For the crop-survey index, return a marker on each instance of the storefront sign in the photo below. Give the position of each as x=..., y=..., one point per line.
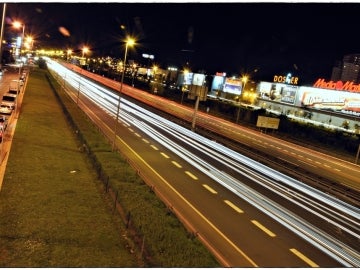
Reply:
x=286, y=79
x=339, y=85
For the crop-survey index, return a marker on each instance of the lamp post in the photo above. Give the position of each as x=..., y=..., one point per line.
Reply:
x=186, y=72
x=84, y=50
x=2, y=33
x=244, y=79
x=18, y=25
x=129, y=42
x=69, y=52
x=133, y=75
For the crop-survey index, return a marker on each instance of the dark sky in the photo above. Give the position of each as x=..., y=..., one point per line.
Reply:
x=275, y=38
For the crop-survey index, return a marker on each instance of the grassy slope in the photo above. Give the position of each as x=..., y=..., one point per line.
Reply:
x=51, y=211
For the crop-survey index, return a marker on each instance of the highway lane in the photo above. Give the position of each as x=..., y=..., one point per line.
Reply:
x=326, y=166
x=209, y=189
x=285, y=193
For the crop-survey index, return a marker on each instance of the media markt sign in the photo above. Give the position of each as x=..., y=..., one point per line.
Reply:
x=268, y=122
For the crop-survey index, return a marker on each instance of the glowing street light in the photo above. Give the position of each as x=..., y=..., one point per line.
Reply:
x=149, y=57
x=68, y=52
x=155, y=68
x=29, y=43
x=244, y=79
x=85, y=50
x=17, y=24
x=129, y=42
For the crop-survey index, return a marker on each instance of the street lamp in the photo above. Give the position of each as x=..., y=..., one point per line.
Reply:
x=133, y=75
x=154, y=72
x=85, y=50
x=149, y=57
x=183, y=88
x=29, y=43
x=129, y=42
x=1, y=34
x=69, y=52
x=18, y=25
x=244, y=79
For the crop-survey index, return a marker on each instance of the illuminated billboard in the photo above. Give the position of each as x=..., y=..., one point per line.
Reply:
x=188, y=78
x=341, y=101
x=232, y=86
x=218, y=83
x=278, y=92
x=340, y=97
x=198, y=79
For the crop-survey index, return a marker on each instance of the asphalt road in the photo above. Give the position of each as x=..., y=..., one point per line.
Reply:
x=5, y=145
x=324, y=165
x=234, y=230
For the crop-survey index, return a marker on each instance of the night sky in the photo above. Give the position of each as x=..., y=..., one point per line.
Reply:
x=272, y=38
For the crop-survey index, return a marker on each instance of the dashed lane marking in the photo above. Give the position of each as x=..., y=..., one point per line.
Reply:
x=233, y=206
x=294, y=164
x=263, y=228
x=176, y=164
x=210, y=189
x=154, y=147
x=191, y=175
x=261, y=145
x=307, y=163
x=303, y=257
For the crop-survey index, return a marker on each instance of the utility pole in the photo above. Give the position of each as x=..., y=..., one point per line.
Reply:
x=2, y=33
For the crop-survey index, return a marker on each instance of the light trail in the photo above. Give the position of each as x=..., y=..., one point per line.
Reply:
x=326, y=207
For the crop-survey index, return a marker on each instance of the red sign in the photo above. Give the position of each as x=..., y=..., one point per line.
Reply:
x=221, y=74
x=339, y=85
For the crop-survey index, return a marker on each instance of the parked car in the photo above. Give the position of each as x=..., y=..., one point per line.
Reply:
x=13, y=91
x=2, y=132
x=5, y=109
x=3, y=121
x=9, y=99
x=3, y=126
x=14, y=85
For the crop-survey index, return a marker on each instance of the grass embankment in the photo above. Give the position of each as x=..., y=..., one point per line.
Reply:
x=53, y=210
